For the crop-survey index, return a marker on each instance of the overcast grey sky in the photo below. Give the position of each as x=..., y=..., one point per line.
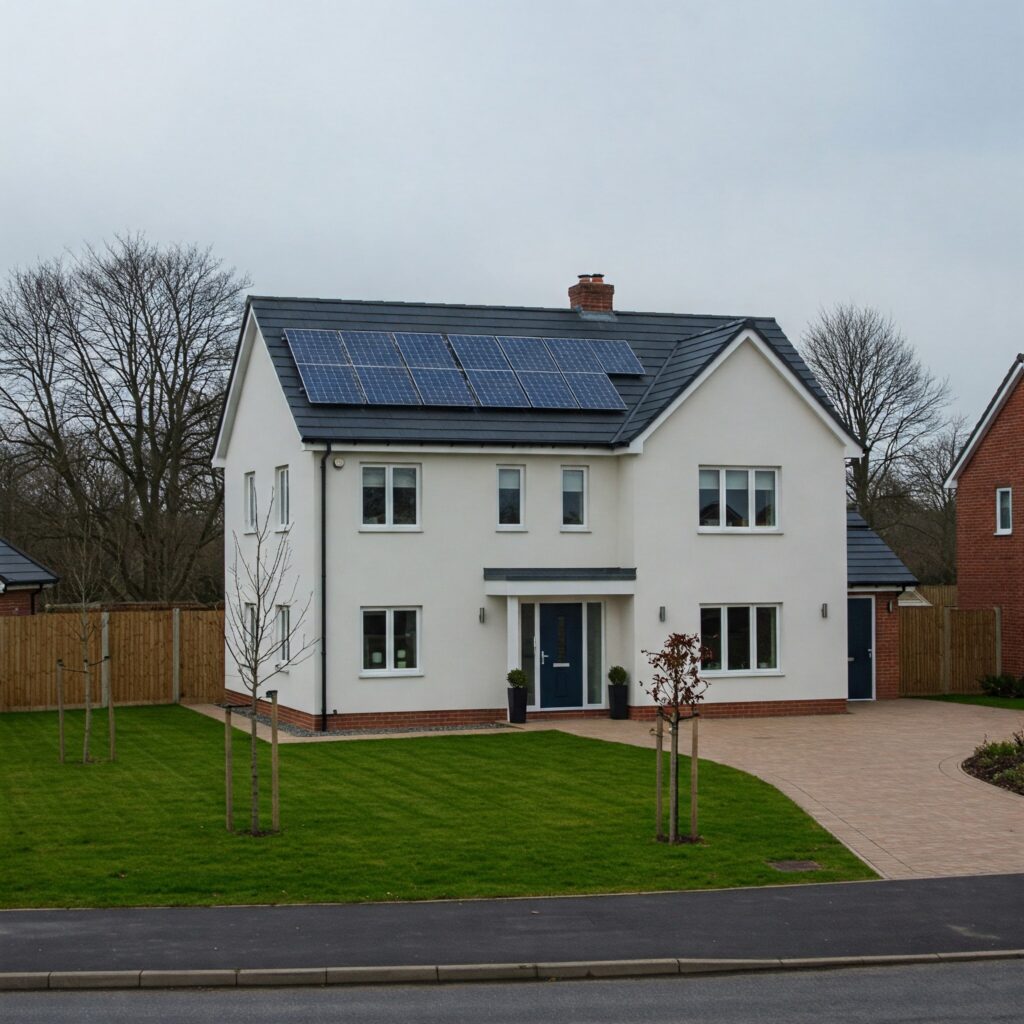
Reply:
x=717, y=157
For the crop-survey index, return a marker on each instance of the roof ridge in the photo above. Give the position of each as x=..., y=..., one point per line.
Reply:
x=249, y=299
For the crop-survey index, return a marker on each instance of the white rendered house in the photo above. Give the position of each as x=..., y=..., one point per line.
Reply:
x=469, y=489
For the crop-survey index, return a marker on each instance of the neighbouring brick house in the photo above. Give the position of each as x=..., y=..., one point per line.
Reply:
x=22, y=579
x=877, y=580
x=987, y=477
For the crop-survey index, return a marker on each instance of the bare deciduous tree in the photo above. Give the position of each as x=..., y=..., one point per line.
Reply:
x=879, y=387
x=112, y=372
x=260, y=640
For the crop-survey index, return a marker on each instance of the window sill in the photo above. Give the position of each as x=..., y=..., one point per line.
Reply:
x=510, y=529
x=751, y=673
x=249, y=531
x=282, y=667
x=398, y=673
x=575, y=529
x=390, y=529
x=283, y=529
x=1003, y=533
x=743, y=530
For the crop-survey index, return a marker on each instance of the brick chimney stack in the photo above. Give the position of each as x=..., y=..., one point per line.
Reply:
x=591, y=295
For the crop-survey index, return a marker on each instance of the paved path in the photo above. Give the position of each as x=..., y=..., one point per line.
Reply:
x=939, y=915
x=884, y=779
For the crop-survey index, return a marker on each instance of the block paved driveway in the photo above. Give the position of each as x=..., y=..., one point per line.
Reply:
x=885, y=779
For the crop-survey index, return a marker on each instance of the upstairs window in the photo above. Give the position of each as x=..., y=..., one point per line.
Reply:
x=510, y=497
x=1004, y=510
x=391, y=497
x=574, y=498
x=738, y=499
x=249, y=502
x=282, y=498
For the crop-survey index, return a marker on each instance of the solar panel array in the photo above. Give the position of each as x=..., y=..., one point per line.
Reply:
x=381, y=368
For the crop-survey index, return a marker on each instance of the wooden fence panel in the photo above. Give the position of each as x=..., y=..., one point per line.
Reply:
x=972, y=649
x=941, y=595
x=141, y=657
x=945, y=649
x=202, y=657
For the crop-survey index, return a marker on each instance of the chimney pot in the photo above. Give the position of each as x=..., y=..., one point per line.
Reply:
x=591, y=294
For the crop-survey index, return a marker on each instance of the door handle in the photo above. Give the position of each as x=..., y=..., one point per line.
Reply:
x=851, y=659
x=543, y=657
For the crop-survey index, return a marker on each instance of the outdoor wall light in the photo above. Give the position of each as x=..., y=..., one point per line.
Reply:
x=483, y=614
x=889, y=607
x=661, y=613
x=824, y=611
x=339, y=463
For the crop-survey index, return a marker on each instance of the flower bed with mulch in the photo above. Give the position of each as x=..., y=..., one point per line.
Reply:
x=1001, y=763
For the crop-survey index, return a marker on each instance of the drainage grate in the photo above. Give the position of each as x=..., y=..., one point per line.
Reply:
x=795, y=865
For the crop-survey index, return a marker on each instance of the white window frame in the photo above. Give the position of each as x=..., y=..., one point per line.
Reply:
x=389, y=526
x=584, y=527
x=751, y=491
x=282, y=498
x=389, y=671
x=1003, y=531
x=519, y=527
x=250, y=621
x=283, y=625
x=250, y=510
x=751, y=606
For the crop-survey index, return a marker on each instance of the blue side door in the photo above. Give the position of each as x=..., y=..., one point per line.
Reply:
x=561, y=655
x=860, y=654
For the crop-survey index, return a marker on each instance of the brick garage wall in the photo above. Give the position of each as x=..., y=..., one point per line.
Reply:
x=18, y=602
x=990, y=569
x=887, y=647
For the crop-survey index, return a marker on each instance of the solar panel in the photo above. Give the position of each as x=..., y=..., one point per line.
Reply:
x=616, y=357
x=527, y=353
x=498, y=389
x=442, y=387
x=371, y=348
x=594, y=391
x=425, y=350
x=319, y=347
x=574, y=356
x=547, y=390
x=478, y=351
x=335, y=385
x=387, y=385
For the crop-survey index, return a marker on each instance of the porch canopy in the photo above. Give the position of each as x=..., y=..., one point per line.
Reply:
x=567, y=582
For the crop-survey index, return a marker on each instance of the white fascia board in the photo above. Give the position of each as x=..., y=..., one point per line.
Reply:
x=234, y=394
x=557, y=588
x=995, y=407
x=403, y=447
x=852, y=449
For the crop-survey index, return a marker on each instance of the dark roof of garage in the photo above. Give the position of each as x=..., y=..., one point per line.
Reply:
x=673, y=348
x=869, y=560
x=17, y=569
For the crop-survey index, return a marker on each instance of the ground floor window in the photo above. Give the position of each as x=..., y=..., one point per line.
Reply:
x=741, y=638
x=391, y=638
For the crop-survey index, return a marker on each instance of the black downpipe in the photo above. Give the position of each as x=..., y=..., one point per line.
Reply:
x=323, y=587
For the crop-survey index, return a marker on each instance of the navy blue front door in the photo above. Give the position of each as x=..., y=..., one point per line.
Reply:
x=561, y=655
x=858, y=627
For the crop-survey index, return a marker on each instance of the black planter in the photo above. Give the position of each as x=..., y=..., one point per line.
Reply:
x=618, y=702
x=517, y=704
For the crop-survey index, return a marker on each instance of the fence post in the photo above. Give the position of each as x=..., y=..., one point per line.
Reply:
x=947, y=648
x=105, y=655
x=176, y=654
x=999, y=639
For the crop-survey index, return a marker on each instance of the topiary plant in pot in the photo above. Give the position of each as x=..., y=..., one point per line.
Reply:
x=618, y=692
x=517, y=696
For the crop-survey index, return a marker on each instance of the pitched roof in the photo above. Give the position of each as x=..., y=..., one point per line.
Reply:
x=673, y=348
x=869, y=560
x=992, y=410
x=17, y=569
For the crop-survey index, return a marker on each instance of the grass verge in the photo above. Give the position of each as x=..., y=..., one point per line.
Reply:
x=509, y=814
x=1012, y=703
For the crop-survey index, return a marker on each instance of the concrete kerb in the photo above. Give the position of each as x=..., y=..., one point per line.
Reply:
x=448, y=973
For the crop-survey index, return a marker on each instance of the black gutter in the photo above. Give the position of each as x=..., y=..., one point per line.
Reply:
x=323, y=587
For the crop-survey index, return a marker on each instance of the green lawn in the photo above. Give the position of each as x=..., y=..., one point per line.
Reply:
x=454, y=816
x=1013, y=703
